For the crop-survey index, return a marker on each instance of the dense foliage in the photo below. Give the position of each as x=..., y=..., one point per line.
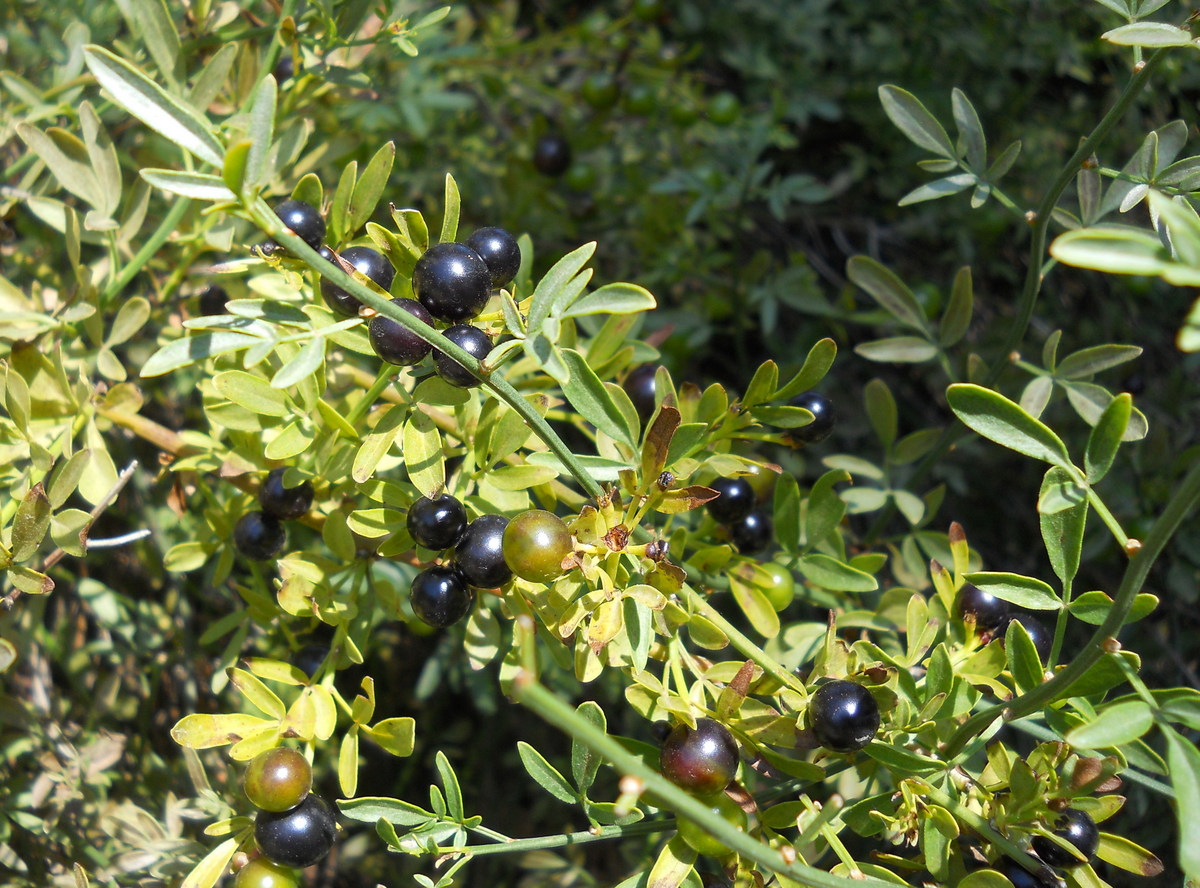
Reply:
x=843, y=533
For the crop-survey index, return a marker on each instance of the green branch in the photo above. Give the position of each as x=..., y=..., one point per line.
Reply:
x=165, y=229
x=541, y=843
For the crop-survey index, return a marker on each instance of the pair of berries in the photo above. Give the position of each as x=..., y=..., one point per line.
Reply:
x=750, y=529
x=1074, y=827
x=992, y=615
x=703, y=760
x=487, y=552
x=261, y=535
x=294, y=827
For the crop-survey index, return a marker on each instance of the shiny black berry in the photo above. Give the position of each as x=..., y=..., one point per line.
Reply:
x=299, y=837
x=843, y=715
x=394, y=342
x=474, y=342
x=552, y=155
x=259, y=536
x=285, y=503
x=499, y=251
x=285, y=69
x=437, y=523
x=367, y=262
x=479, y=554
x=440, y=596
x=702, y=760
x=753, y=533
x=304, y=220
x=824, y=419
x=639, y=385
x=989, y=612
x=213, y=299
x=735, y=502
x=1079, y=830
x=452, y=281
x=1039, y=634
x=1018, y=875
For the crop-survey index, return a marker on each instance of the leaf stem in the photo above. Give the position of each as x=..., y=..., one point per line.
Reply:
x=539, y=843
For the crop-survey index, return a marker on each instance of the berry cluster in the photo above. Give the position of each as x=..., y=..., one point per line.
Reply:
x=992, y=616
x=261, y=535
x=487, y=552
x=750, y=528
x=703, y=760
x=294, y=827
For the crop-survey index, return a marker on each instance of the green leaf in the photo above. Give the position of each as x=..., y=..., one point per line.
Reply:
x=592, y=400
x=1106, y=438
x=454, y=802
x=673, y=865
x=306, y=362
x=825, y=508
x=66, y=157
x=1062, y=529
x=545, y=774
x=1087, y=361
x=371, y=184
x=1093, y=607
x=30, y=524
x=1091, y=400
x=1026, y=592
x=1118, y=250
x=970, y=130
x=881, y=411
x=938, y=188
x=897, y=350
x=816, y=365
x=998, y=419
x=348, y=762
x=213, y=76
x=1022, y=656
x=450, y=219
x=757, y=608
x=252, y=392
x=65, y=478
x=1126, y=855
x=555, y=280
x=585, y=764
x=762, y=384
x=151, y=21
x=914, y=120
x=887, y=289
x=612, y=299
x=193, y=349
x=257, y=693
x=339, y=207
x=261, y=132
x=375, y=446
x=829, y=573
x=787, y=512
x=1114, y=725
x=956, y=319
x=370, y=809
x=131, y=317
x=1150, y=34
x=149, y=103
x=423, y=455
x=214, y=865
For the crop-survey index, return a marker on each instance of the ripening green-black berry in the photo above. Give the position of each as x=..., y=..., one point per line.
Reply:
x=723, y=108
x=600, y=90
x=700, y=838
x=304, y=220
x=1039, y=634
x=474, y=342
x=535, y=543
x=640, y=387
x=394, y=342
x=213, y=299
x=479, y=554
x=278, y=779
x=735, y=500
x=437, y=523
x=500, y=252
x=648, y=10
x=753, y=533
x=824, y=419
x=552, y=155
x=683, y=111
x=641, y=99
x=989, y=612
x=299, y=837
x=285, y=503
x=259, y=536
x=843, y=715
x=440, y=596
x=1079, y=830
x=365, y=261
x=780, y=585
x=263, y=873
x=701, y=760
x=452, y=281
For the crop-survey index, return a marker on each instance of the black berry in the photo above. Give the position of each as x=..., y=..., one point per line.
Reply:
x=843, y=715
x=474, y=342
x=394, y=342
x=285, y=69
x=213, y=299
x=479, y=554
x=452, y=281
x=552, y=155
x=440, y=596
x=753, y=533
x=823, y=422
x=367, y=262
x=259, y=536
x=299, y=837
x=1039, y=634
x=437, y=523
x=1019, y=876
x=1079, y=830
x=304, y=220
x=702, y=760
x=285, y=503
x=499, y=251
x=735, y=502
x=639, y=385
x=989, y=612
